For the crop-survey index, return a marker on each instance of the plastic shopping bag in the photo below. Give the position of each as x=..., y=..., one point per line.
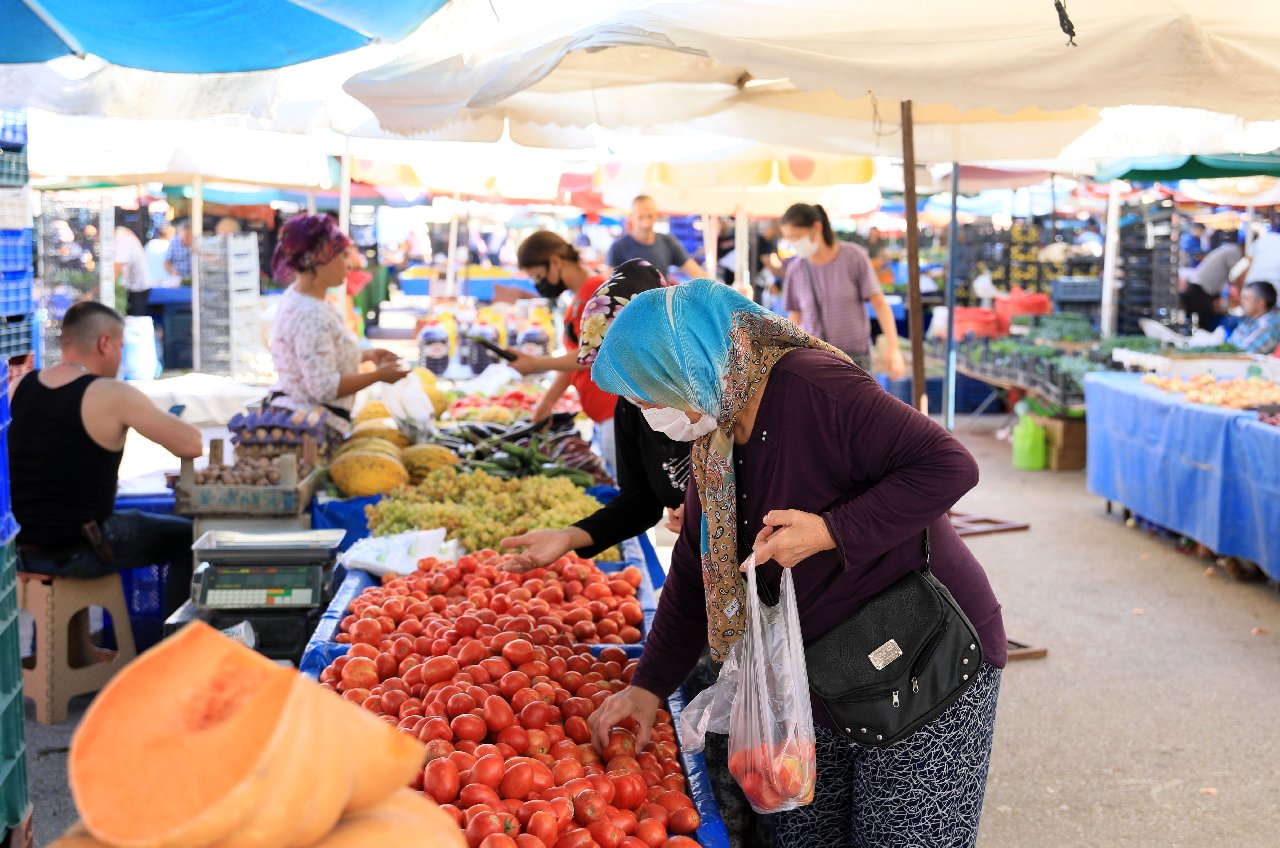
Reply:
x=762, y=699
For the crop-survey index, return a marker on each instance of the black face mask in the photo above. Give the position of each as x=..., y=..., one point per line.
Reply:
x=548, y=289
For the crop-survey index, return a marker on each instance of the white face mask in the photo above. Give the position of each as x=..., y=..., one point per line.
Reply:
x=803, y=248
x=675, y=425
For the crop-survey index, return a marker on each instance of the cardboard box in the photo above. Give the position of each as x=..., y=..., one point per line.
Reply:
x=1066, y=459
x=1068, y=433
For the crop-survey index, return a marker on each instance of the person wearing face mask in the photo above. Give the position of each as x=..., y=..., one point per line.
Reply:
x=811, y=467
x=652, y=448
x=555, y=267
x=316, y=355
x=827, y=288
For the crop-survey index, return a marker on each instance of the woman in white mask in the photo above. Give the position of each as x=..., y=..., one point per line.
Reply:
x=828, y=286
x=652, y=447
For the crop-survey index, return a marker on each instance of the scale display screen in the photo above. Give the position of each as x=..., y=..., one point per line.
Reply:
x=243, y=587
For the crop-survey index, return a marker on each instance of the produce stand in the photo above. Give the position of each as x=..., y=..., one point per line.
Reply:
x=1208, y=473
x=711, y=831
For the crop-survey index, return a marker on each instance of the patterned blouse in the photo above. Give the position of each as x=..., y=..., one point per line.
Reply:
x=312, y=349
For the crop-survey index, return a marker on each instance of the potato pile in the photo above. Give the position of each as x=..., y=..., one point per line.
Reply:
x=248, y=471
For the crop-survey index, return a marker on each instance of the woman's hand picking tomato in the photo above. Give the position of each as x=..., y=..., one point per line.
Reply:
x=633, y=703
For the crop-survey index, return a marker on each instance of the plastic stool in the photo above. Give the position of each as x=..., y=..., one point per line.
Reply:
x=67, y=663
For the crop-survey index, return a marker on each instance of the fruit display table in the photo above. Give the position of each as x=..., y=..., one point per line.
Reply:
x=1209, y=473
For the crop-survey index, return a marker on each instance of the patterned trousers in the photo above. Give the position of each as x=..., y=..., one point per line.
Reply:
x=924, y=792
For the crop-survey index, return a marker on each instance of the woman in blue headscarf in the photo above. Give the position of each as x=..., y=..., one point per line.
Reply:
x=800, y=457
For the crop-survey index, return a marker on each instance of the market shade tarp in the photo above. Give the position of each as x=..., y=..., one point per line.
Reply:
x=122, y=151
x=1209, y=473
x=1166, y=169
x=751, y=178
x=202, y=37
x=995, y=65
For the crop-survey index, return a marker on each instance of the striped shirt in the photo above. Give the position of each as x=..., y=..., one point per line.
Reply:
x=842, y=288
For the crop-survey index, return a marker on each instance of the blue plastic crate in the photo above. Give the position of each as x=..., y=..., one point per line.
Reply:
x=13, y=168
x=13, y=764
x=144, y=595
x=15, y=337
x=13, y=128
x=15, y=250
x=15, y=292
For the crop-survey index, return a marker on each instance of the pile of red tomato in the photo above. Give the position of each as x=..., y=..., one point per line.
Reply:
x=503, y=706
x=568, y=602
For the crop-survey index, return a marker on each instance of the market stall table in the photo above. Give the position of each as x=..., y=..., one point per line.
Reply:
x=1209, y=473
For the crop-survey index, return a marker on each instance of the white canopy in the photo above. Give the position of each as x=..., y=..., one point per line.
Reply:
x=126, y=151
x=828, y=73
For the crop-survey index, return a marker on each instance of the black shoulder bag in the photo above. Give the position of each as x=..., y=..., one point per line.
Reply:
x=896, y=663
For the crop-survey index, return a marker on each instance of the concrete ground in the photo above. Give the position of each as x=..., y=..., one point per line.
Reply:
x=1150, y=723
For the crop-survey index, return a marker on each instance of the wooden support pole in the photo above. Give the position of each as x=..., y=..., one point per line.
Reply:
x=915, y=309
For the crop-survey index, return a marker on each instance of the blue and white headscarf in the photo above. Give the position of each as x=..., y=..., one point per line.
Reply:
x=702, y=347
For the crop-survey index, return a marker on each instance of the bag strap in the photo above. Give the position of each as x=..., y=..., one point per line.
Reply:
x=817, y=304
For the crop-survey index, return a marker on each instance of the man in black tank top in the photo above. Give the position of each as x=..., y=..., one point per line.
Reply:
x=65, y=444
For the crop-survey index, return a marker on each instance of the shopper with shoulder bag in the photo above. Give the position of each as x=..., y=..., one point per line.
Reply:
x=812, y=467
x=828, y=286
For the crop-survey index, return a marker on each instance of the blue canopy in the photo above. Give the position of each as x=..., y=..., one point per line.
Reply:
x=202, y=36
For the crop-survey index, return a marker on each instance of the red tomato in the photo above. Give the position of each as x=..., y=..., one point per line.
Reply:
x=603, y=786
x=651, y=832
x=525, y=840
x=588, y=806
x=440, y=781
x=580, y=838
x=474, y=794
x=680, y=842
x=534, y=716
x=498, y=840
x=517, y=652
x=629, y=789
x=543, y=824
x=488, y=770
x=483, y=826
x=469, y=727
x=606, y=833
x=515, y=736
x=498, y=714
x=517, y=782
x=566, y=770
x=437, y=669
x=684, y=820
x=673, y=801
x=577, y=729
x=657, y=812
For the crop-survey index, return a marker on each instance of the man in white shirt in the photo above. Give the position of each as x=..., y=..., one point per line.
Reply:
x=1264, y=260
x=156, y=250
x=131, y=269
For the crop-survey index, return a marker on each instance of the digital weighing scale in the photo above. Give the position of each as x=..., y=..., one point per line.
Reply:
x=278, y=582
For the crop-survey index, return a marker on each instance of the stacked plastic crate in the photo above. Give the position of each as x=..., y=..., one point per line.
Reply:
x=229, y=322
x=15, y=340
x=16, y=279
x=14, y=808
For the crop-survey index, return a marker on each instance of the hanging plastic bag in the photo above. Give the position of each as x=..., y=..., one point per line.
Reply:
x=762, y=699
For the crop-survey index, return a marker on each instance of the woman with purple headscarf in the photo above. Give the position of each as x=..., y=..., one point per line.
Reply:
x=316, y=356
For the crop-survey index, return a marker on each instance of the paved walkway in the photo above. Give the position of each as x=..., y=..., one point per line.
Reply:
x=1151, y=723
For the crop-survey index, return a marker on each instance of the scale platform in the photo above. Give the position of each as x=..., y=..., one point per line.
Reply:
x=264, y=571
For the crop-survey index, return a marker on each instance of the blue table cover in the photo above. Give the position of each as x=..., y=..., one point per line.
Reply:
x=1209, y=473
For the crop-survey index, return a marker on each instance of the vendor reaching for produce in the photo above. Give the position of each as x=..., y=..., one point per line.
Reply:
x=809, y=465
x=653, y=468
x=555, y=267
x=316, y=356
x=829, y=285
x=65, y=445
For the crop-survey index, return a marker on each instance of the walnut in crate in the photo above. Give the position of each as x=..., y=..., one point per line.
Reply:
x=247, y=471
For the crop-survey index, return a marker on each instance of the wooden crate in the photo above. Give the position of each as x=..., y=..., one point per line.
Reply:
x=291, y=497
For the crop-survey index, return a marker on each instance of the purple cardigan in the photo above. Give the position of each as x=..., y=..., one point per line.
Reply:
x=829, y=440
